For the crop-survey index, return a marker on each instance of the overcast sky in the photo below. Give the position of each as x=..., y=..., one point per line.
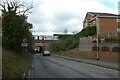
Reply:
x=54, y=16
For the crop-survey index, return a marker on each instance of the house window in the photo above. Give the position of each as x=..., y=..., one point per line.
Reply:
x=94, y=22
x=118, y=29
x=117, y=20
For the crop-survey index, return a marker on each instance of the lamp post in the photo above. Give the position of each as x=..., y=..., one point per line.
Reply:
x=97, y=26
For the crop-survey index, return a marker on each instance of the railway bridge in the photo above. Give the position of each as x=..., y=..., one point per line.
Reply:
x=42, y=42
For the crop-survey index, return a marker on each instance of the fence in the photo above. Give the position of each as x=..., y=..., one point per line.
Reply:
x=85, y=44
x=109, y=35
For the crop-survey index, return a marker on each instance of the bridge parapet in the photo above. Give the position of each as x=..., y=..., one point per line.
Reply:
x=45, y=37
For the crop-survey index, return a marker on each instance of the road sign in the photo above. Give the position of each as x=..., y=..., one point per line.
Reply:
x=24, y=44
x=24, y=40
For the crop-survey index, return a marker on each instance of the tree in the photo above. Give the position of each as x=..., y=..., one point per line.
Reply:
x=75, y=32
x=15, y=6
x=15, y=26
x=88, y=31
x=65, y=31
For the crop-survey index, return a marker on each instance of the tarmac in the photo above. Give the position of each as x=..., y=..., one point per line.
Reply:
x=101, y=63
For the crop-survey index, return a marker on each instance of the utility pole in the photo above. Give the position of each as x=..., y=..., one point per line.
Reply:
x=97, y=26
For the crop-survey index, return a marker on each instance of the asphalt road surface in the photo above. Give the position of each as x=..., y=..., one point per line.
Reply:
x=54, y=67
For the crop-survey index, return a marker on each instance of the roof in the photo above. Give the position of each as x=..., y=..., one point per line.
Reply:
x=103, y=14
x=110, y=15
x=107, y=15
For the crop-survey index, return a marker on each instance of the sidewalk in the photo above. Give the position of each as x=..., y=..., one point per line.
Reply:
x=106, y=64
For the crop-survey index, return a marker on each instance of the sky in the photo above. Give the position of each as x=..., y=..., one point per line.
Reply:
x=54, y=16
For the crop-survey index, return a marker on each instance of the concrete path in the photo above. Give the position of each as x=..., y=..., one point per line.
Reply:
x=106, y=64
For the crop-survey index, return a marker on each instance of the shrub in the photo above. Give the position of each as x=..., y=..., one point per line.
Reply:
x=74, y=45
x=112, y=40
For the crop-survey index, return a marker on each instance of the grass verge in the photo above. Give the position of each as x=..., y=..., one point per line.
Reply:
x=14, y=65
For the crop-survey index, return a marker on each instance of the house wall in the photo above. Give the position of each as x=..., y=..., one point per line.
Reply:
x=93, y=23
x=88, y=17
x=118, y=24
x=107, y=25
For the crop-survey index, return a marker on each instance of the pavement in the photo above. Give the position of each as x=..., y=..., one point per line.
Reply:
x=101, y=63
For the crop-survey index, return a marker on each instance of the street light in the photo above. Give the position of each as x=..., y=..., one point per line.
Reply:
x=97, y=26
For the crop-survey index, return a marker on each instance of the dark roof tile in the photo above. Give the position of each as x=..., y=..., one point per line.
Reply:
x=103, y=14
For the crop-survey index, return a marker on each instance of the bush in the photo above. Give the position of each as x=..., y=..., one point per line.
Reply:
x=57, y=46
x=74, y=45
x=112, y=40
x=64, y=45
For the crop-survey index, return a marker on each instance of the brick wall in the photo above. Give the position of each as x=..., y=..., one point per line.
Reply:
x=106, y=56
x=107, y=53
x=107, y=25
x=44, y=43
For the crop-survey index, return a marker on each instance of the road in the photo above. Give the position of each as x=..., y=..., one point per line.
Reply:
x=54, y=67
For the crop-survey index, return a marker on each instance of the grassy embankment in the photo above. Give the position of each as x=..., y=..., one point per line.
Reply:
x=75, y=53
x=71, y=42
x=14, y=65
